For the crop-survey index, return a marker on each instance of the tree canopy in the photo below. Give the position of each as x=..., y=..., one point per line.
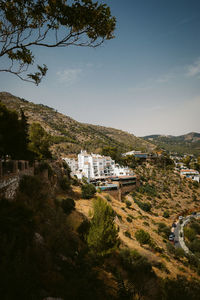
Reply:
x=13, y=134
x=39, y=141
x=49, y=23
x=102, y=237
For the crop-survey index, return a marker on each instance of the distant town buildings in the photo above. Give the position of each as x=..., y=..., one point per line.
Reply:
x=190, y=173
x=135, y=153
x=184, y=170
x=94, y=166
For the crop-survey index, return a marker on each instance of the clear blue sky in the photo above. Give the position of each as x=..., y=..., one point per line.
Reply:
x=145, y=81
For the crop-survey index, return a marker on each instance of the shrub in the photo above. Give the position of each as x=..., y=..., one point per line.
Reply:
x=170, y=248
x=68, y=205
x=88, y=191
x=129, y=219
x=145, y=206
x=145, y=223
x=127, y=234
x=179, y=252
x=31, y=191
x=166, y=214
x=108, y=198
x=130, y=216
x=196, y=226
x=189, y=233
x=194, y=197
x=142, y=237
x=163, y=228
x=195, y=246
x=195, y=184
x=65, y=183
x=128, y=203
x=148, y=189
x=193, y=260
x=160, y=265
x=44, y=166
x=83, y=229
x=181, y=288
x=119, y=217
x=135, y=262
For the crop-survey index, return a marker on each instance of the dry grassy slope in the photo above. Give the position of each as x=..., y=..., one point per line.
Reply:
x=70, y=135
x=174, y=195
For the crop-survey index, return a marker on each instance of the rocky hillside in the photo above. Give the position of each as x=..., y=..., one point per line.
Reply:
x=70, y=136
x=161, y=198
x=188, y=143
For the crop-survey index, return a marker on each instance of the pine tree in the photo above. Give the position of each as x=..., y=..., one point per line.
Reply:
x=102, y=237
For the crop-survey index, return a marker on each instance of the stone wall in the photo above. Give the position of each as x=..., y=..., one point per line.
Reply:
x=10, y=177
x=8, y=186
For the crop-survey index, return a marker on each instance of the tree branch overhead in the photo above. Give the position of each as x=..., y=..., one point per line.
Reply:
x=49, y=23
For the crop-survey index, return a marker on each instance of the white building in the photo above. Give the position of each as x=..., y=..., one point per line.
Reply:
x=135, y=153
x=122, y=171
x=72, y=163
x=94, y=166
x=98, y=165
x=189, y=173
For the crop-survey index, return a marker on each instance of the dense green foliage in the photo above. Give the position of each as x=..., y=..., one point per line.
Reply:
x=13, y=134
x=164, y=162
x=39, y=250
x=142, y=237
x=164, y=229
x=145, y=206
x=102, y=237
x=166, y=214
x=181, y=288
x=113, y=152
x=65, y=183
x=88, y=190
x=191, y=233
x=148, y=189
x=49, y=23
x=68, y=205
x=39, y=141
x=135, y=262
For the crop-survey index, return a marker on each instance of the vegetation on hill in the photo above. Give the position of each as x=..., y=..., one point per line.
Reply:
x=70, y=136
x=14, y=138
x=188, y=143
x=49, y=249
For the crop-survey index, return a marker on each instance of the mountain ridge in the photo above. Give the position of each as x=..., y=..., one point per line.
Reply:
x=69, y=135
x=185, y=143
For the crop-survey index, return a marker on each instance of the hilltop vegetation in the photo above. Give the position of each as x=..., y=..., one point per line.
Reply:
x=188, y=143
x=70, y=136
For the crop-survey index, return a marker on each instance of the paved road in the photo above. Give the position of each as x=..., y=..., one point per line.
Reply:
x=179, y=234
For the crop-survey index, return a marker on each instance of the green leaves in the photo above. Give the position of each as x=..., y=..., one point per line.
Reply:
x=142, y=237
x=49, y=23
x=39, y=141
x=102, y=238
